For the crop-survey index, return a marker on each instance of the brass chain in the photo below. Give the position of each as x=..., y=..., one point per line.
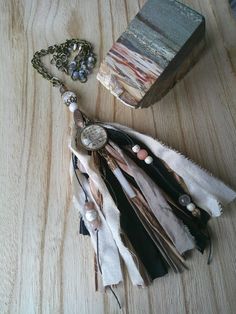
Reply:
x=60, y=53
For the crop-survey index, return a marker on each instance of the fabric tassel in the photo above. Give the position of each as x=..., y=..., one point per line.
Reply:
x=142, y=211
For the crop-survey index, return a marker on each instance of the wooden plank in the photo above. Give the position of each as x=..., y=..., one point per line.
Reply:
x=45, y=266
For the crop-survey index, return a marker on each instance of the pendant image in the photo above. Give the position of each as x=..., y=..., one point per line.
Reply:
x=93, y=137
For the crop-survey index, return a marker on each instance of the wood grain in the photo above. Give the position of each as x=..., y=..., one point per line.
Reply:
x=45, y=266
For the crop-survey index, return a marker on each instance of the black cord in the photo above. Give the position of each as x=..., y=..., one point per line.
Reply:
x=113, y=129
x=210, y=255
x=100, y=269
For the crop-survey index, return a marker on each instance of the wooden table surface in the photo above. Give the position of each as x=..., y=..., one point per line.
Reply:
x=45, y=265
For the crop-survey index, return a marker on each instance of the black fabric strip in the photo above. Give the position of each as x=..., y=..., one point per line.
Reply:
x=136, y=233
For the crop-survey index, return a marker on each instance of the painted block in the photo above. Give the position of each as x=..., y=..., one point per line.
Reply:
x=159, y=46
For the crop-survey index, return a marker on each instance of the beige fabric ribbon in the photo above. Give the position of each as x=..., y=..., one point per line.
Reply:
x=110, y=262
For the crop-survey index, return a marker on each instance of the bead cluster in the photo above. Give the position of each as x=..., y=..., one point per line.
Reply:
x=142, y=154
x=80, y=66
x=185, y=200
x=91, y=215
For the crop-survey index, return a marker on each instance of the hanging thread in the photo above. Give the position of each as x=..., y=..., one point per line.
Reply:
x=100, y=269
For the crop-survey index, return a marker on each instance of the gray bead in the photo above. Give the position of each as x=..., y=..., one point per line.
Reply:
x=82, y=73
x=83, y=67
x=90, y=65
x=72, y=65
x=83, y=63
x=184, y=200
x=75, y=75
x=91, y=60
x=79, y=75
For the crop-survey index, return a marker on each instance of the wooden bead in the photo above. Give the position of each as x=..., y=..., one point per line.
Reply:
x=136, y=148
x=148, y=160
x=191, y=207
x=196, y=212
x=89, y=205
x=142, y=154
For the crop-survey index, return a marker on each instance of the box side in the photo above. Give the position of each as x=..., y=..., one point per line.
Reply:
x=177, y=68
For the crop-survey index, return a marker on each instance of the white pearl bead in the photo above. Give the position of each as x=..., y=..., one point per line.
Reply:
x=66, y=96
x=191, y=207
x=73, y=106
x=148, y=160
x=136, y=148
x=91, y=215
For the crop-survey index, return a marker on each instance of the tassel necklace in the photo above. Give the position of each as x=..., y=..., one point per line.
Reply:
x=139, y=200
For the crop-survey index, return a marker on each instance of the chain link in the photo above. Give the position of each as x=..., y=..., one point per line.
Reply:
x=60, y=57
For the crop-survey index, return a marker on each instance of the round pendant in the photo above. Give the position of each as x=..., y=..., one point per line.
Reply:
x=93, y=137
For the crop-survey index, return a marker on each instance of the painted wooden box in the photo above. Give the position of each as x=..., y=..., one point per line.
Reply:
x=159, y=46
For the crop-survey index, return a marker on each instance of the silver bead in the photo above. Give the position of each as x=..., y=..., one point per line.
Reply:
x=136, y=148
x=91, y=215
x=184, y=200
x=148, y=160
x=191, y=207
x=69, y=97
x=73, y=65
x=73, y=106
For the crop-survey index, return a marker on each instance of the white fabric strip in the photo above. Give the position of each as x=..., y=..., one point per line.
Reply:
x=124, y=183
x=207, y=192
x=111, y=212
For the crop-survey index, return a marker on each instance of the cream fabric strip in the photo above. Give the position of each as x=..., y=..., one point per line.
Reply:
x=177, y=231
x=108, y=253
x=111, y=213
x=207, y=192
